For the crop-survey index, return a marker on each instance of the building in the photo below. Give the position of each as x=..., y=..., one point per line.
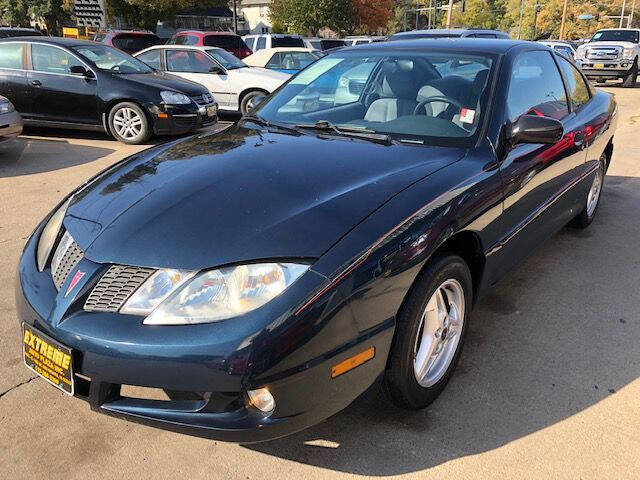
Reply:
x=253, y=16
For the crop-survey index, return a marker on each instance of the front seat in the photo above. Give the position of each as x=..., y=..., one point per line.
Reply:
x=398, y=94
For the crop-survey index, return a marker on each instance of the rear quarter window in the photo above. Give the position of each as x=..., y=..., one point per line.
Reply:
x=134, y=42
x=224, y=41
x=11, y=55
x=286, y=42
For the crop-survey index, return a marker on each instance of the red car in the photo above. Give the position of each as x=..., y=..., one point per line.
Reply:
x=129, y=41
x=226, y=40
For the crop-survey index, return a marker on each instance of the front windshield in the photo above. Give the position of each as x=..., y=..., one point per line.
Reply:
x=422, y=97
x=616, y=36
x=112, y=60
x=226, y=59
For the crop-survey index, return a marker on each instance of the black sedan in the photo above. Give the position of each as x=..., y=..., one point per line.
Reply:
x=262, y=278
x=67, y=83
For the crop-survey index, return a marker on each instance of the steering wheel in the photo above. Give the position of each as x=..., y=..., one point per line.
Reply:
x=442, y=98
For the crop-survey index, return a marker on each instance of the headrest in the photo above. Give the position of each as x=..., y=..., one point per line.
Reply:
x=400, y=81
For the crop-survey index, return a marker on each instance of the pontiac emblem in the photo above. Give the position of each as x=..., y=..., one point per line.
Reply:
x=74, y=281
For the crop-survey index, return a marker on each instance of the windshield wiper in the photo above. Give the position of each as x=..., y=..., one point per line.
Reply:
x=349, y=131
x=268, y=124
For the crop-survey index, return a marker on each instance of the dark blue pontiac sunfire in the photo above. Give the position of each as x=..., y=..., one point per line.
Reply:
x=261, y=278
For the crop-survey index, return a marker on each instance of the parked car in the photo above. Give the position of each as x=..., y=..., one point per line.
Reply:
x=231, y=81
x=564, y=48
x=267, y=275
x=449, y=33
x=69, y=83
x=129, y=41
x=360, y=40
x=226, y=40
x=611, y=54
x=322, y=44
x=10, y=120
x=286, y=60
x=259, y=42
x=8, y=32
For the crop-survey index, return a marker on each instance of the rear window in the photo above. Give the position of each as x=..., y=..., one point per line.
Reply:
x=616, y=36
x=286, y=42
x=327, y=44
x=224, y=41
x=19, y=33
x=134, y=42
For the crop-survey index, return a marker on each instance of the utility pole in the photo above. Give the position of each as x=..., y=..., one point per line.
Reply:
x=235, y=18
x=520, y=21
x=624, y=4
x=536, y=8
x=630, y=19
x=449, y=13
x=564, y=19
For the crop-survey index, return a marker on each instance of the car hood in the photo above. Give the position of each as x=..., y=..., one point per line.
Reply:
x=260, y=76
x=166, y=81
x=239, y=195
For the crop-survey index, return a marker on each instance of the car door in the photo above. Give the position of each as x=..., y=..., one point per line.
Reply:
x=196, y=65
x=13, y=76
x=56, y=93
x=538, y=178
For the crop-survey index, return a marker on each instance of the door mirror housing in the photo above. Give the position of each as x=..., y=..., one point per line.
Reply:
x=535, y=129
x=80, y=71
x=217, y=70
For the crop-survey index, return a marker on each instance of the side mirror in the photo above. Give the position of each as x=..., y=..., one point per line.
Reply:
x=535, y=129
x=80, y=71
x=217, y=70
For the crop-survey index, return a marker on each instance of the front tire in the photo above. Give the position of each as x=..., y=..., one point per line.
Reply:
x=430, y=332
x=245, y=103
x=630, y=80
x=129, y=124
x=586, y=216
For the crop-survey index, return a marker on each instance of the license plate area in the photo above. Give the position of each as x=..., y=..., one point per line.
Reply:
x=598, y=66
x=49, y=358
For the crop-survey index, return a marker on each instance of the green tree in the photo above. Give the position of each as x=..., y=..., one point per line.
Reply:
x=55, y=13
x=310, y=16
x=15, y=12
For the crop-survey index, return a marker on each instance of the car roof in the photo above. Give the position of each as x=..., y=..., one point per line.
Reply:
x=180, y=47
x=203, y=33
x=64, y=42
x=488, y=45
x=609, y=29
x=449, y=31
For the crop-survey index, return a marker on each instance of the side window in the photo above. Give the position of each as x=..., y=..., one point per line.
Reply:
x=485, y=35
x=151, y=58
x=577, y=87
x=190, y=40
x=536, y=87
x=11, y=55
x=52, y=59
x=275, y=62
x=262, y=43
x=191, y=61
x=250, y=41
x=179, y=40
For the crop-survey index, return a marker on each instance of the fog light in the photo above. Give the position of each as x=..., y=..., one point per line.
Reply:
x=262, y=399
x=202, y=110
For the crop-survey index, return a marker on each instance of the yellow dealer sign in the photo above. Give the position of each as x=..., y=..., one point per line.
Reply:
x=48, y=358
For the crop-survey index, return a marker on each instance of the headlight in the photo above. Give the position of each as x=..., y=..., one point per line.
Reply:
x=6, y=107
x=214, y=295
x=174, y=98
x=49, y=235
x=154, y=290
x=627, y=53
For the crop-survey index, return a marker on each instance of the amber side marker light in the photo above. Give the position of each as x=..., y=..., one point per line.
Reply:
x=353, y=362
x=163, y=115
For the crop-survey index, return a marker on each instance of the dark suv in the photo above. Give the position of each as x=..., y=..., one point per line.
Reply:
x=8, y=32
x=69, y=83
x=130, y=41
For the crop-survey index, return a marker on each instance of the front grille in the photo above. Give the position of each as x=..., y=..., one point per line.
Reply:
x=67, y=256
x=604, y=53
x=115, y=287
x=204, y=99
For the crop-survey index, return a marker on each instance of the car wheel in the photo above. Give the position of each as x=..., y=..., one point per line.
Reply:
x=245, y=104
x=129, y=124
x=630, y=80
x=586, y=216
x=430, y=332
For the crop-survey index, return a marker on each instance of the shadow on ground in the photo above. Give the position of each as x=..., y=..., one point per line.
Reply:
x=554, y=338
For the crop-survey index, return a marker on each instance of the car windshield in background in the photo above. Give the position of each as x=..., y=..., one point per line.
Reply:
x=616, y=36
x=134, y=42
x=112, y=60
x=226, y=59
x=287, y=42
x=419, y=97
x=413, y=36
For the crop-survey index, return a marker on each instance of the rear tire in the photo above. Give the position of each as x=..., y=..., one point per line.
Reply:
x=586, y=216
x=430, y=332
x=129, y=124
x=630, y=80
x=244, y=104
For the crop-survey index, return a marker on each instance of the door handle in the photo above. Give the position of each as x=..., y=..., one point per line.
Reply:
x=579, y=139
x=36, y=83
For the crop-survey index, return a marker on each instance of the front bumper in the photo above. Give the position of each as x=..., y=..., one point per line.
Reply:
x=181, y=119
x=10, y=125
x=207, y=368
x=605, y=68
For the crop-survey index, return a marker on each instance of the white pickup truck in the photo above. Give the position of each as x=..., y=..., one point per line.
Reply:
x=611, y=53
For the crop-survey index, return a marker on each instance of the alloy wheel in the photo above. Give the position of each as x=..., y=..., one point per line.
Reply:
x=594, y=193
x=127, y=123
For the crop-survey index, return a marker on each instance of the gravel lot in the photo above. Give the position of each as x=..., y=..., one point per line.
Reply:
x=547, y=387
